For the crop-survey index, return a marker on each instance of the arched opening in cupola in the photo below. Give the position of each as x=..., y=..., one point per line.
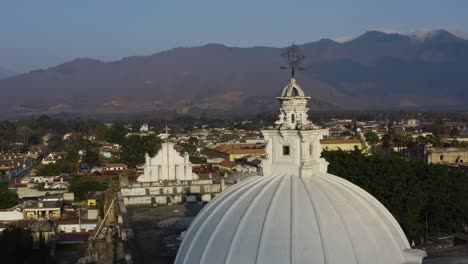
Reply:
x=294, y=92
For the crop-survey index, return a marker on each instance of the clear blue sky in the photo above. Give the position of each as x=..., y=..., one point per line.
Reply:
x=41, y=33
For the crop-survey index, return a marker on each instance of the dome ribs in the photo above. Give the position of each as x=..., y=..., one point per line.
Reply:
x=260, y=250
x=291, y=223
x=212, y=212
x=348, y=196
x=379, y=214
x=330, y=224
x=247, y=212
x=269, y=220
x=345, y=224
x=363, y=219
x=317, y=221
x=222, y=222
x=377, y=205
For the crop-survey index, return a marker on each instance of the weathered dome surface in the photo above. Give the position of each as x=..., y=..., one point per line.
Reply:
x=291, y=219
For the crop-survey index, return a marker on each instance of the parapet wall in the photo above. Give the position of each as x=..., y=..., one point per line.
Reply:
x=171, y=193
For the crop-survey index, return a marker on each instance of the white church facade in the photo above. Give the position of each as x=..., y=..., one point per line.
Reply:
x=167, y=165
x=168, y=179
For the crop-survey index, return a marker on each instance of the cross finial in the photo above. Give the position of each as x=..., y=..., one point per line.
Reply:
x=293, y=57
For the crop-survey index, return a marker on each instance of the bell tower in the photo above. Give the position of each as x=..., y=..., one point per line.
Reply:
x=293, y=143
x=293, y=107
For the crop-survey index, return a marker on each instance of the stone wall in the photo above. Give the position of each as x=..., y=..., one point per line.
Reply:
x=156, y=194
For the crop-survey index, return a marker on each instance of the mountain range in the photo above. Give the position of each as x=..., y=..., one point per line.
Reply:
x=374, y=70
x=4, y=73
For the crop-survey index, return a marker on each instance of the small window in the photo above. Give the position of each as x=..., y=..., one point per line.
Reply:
x=293, y=118
x=310, y=149
x=285, y=150
x=441, y=157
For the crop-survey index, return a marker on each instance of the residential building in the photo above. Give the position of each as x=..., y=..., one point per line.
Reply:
x=47, y=207
x=447, y=155
x=52, y=157
x=12, y=214
x=233, y=151
x=343, y=144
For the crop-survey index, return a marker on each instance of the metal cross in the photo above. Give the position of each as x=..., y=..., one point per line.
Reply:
x=293, y=57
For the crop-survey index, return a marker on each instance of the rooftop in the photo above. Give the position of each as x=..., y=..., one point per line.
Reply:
x=239, y=148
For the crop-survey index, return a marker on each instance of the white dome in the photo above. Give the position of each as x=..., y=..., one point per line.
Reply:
x=296, y=213
x=290, y=219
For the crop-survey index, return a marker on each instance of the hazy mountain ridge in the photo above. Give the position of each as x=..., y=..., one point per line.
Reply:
x=4, y=73
x=373, y=70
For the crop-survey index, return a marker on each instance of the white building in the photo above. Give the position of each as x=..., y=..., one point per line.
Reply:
x=70, y=227
x=115, y=167
x=167, y=165
x=144, y=128
x=13, y=214
x=296, y=212
x=167, y=179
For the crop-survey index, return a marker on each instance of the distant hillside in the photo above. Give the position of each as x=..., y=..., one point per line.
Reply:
x=374, y=70
x=6, y=73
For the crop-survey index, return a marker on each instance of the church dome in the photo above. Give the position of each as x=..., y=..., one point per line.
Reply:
x=296, y=212
x=289, y=219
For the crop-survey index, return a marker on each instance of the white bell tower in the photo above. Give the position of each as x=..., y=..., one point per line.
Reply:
x=293, y=143
x=293, y=110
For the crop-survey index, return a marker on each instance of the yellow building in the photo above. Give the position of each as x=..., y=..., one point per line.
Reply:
x=42, y=210
x=92, y=202
x=343, y=144
x=234, y=151
x=447, y=155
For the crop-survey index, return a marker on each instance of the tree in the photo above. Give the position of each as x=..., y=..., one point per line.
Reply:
x=408, y=189
x=346, y=134
x=134, y=149
x=25, y=132
x=57, y=168
x=116, y=134
x=136, y=125
x=8, y=198
x=196, y=159
x=100, y=131
x=229, y=137
x=56, y=143
x=193, y=141
x=438, y=127
x=81, y=185
x=91, y=157
x=16, y=244
x=454, y=132
x=372, y=137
